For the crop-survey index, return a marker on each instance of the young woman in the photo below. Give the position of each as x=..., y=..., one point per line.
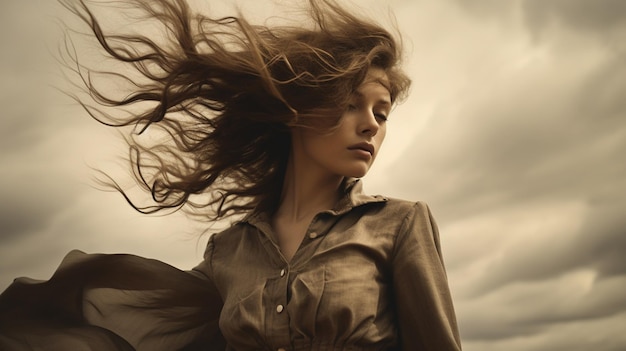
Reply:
x=274, y=124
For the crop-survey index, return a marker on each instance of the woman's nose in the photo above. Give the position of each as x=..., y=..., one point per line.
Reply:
x=369, y=125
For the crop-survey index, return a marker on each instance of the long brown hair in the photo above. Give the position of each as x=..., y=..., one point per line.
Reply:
x=226, y=92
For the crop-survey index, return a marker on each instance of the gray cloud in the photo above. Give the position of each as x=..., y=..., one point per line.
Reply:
x=545, y=134
x=580, y=15
x=19, y=217
x=599, y=245
x=596, y=16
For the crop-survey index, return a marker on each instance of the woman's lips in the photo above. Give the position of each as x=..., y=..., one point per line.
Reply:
x=366, y=147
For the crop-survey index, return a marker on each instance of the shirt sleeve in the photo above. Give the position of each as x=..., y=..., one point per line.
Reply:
x=424, y=307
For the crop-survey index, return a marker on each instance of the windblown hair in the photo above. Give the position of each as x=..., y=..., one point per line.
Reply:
x=226, y=93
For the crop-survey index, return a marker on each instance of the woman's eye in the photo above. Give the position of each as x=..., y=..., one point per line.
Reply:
x=380, y=116
x=351, y=107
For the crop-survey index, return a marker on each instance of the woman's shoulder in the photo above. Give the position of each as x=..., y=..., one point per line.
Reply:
x=402, y=206
x=402, y=213
x=240, y=230
x=235, y=229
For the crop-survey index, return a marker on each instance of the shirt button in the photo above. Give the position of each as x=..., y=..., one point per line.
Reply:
x=281, y=349
x=313, y=235
x=279, y=308
x=282, y=272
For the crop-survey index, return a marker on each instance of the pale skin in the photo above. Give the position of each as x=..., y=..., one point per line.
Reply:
x=318, y=162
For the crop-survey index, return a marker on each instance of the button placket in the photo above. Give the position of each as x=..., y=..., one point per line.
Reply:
x=275, y=312
x=281, y=307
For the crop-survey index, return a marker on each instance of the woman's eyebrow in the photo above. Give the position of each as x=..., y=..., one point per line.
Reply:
x=382, y=101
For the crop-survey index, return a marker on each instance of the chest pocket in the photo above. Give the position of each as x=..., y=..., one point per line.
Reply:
x=337, y=301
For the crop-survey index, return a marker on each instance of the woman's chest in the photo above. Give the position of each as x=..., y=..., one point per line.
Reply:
x=336, y=287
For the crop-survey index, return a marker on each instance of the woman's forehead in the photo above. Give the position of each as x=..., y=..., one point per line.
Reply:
x=376, y=83
x=376, y=76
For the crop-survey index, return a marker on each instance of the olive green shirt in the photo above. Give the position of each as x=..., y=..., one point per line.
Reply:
x=368, y=276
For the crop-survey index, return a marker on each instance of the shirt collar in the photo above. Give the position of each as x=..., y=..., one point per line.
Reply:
x=352, y=196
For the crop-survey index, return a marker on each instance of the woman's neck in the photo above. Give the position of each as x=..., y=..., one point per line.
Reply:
x=306, y=192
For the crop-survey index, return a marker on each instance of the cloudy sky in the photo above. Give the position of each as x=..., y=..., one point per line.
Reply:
x=514, y=133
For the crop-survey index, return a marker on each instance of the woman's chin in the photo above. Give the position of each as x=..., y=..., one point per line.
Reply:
x=357, y=172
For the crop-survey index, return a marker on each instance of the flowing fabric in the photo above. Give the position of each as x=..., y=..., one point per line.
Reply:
x=110, y=302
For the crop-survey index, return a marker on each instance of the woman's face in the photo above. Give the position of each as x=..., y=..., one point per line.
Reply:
x=351, y=148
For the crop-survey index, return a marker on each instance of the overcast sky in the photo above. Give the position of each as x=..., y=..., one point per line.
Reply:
x=514, y=133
